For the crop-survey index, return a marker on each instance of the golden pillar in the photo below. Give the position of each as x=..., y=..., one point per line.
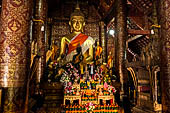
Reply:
x=120, y=42
x=103, y=40
x=164, y=11
x=39, y=35
x=14, y=53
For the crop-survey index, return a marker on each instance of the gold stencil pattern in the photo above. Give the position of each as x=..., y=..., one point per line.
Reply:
x=14, y=42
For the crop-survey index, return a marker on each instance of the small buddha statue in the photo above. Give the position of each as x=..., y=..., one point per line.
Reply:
x=54, y=50
x=98, y=53
x=110, y=60
x=52, y=54
x=70, y=42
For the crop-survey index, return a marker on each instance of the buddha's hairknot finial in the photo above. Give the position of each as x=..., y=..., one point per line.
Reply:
x=77, y=12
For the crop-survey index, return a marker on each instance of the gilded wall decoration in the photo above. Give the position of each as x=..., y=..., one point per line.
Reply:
x=92, y=29
x=59, y=29
x=13, y=52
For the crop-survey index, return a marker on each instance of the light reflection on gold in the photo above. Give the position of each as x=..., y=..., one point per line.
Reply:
x=5, y=76
x=0, y=96
x=39, y=71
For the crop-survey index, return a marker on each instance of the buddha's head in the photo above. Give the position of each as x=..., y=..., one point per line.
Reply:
x=77, y=20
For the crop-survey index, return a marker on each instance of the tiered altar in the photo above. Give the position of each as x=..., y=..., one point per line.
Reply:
x=91, y=91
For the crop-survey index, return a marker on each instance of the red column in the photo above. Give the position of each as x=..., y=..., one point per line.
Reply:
x=14, y=52
x=121, y=34
x=164, y=11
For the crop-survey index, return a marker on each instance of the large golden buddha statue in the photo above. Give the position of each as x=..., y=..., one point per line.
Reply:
x=70, y=42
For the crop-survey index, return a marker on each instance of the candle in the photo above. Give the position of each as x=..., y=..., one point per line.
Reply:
x=81, y=68
x=134, y=94
x=91, y=72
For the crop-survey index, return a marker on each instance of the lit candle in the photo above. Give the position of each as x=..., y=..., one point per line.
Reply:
x=91, y=69
x=81, y=68
x=134, y=94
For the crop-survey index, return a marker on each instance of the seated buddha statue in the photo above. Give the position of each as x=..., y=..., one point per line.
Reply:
x=76, y=38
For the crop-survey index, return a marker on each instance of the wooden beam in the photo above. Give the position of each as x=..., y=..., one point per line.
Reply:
x=138, y=32
x=134, y=38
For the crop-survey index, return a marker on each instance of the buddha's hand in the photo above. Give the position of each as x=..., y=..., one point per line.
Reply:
x=58, y=59
x=81, y=57
x=88, y=43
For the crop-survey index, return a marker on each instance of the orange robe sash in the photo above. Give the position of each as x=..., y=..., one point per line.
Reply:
x=98, y=52
x=79, y=39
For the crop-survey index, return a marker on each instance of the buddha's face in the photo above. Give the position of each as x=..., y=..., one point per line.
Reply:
x=77, y=23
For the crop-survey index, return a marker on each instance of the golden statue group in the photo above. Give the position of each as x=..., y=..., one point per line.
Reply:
x=87, y=82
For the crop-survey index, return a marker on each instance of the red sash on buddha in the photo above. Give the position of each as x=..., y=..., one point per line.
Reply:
x=85, y=42
x=79, y=39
